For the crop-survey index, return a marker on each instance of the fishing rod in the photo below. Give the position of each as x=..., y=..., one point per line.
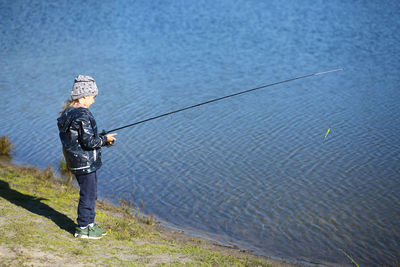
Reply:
x=218, y=99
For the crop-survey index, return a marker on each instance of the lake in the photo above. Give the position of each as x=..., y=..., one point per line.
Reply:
x=255, y=170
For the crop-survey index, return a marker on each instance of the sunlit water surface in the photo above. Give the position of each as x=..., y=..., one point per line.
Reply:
x=255, y=170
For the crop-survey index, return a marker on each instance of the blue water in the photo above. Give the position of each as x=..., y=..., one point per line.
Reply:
x=253, y=171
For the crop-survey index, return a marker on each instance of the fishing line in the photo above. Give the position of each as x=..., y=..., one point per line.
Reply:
x=218, y=99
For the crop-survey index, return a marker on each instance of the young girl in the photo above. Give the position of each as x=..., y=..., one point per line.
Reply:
x=82, y=151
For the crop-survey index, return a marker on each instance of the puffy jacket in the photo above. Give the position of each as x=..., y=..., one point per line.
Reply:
x=80, y=140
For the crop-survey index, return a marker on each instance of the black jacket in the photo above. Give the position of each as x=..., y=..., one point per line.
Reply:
x=80, y=140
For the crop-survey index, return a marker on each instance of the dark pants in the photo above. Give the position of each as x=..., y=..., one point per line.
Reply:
x=87, y=198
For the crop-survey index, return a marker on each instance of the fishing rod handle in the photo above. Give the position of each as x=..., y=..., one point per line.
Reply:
x=108, y=144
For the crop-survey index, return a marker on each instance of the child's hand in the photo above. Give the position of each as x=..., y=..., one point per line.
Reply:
x=110, y=138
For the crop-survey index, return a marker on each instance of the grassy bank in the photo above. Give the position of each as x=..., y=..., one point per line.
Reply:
x=37, y=226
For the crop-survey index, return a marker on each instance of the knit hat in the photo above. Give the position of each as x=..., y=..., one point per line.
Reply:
x=83, y=86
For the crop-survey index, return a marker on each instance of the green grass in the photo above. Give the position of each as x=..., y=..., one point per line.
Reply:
x=38, y=218
x=350, y=258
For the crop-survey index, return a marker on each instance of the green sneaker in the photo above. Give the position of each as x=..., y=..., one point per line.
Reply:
x=99, y=229
x=88, y=232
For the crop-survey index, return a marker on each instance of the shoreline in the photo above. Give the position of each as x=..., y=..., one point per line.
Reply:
x=24, y=187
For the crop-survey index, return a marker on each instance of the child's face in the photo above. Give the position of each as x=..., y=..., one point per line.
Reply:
x=87, y=101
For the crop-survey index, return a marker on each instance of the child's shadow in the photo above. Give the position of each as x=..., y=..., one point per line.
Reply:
x=34, y=205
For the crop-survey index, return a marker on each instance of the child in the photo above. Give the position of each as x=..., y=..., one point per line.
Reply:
x=82, y=151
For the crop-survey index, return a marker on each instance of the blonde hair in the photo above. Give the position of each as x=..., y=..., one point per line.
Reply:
x=66, y=105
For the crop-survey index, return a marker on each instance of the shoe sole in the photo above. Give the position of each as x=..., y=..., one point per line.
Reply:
x=87, y=237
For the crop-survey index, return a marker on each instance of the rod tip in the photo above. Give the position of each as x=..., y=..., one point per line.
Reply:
x=324, y=72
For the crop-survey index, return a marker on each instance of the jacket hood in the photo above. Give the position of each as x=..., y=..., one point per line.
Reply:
x=65, y=120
